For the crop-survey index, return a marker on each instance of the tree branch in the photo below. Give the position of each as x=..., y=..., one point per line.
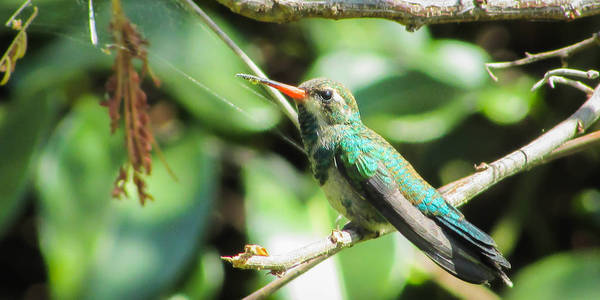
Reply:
x=553, y=80
x=337, y=241
x=414, y=13
x=301, y=260
x=558, y=73
x=563, y=53
x=574, y=146
x=528, y=156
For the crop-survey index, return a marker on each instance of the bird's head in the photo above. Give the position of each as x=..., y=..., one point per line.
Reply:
x=328, y=101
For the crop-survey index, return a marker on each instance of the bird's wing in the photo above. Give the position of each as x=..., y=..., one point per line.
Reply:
x=427, y=199
x=451, y=251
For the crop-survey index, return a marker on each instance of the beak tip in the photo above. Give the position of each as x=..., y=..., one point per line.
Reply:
x=291, y=91
x=253, y=79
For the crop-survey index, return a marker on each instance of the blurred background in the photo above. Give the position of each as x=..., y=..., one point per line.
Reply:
x=241, y=180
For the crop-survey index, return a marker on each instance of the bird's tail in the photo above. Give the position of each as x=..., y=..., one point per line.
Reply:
x=473, y=236
x=468, y=256
x=466, y=235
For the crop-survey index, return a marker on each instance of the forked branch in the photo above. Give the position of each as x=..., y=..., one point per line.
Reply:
x=556, y=76
x=562, y=53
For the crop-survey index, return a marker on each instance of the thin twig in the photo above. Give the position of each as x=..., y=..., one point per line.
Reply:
x=414, y=13
x=531, y=58
x=570, y=82
x=283, y=103
x=9, y=23
x=92, y=23
x=17, y=48
x=591, y=74
x=574, y=146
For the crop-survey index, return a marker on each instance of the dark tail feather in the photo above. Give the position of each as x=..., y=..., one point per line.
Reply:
x=474, y=236
x=458, y=253
x=491, y=256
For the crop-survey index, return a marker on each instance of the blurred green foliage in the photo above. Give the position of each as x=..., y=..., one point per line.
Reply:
x=567, y=275
x=239, y=183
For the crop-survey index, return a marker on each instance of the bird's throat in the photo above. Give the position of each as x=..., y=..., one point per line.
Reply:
x=309, y=125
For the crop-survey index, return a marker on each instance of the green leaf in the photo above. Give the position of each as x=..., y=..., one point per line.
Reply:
x=206, y=279
x=273, y=190
x=376, y=269
x=426, y=126
x=453, y=62
x=358, y=70
x=100, y=248
x=409, y=93
x=508, y=104
x=199, y=70
x=360, y=52
x=586, y=205
x=378, y=36
x=21, y=132
x=572, y=275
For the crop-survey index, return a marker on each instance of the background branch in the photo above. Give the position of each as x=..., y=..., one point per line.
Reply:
x=591, y=74
x=531, y=58
x=553, y=80
x=574, y=146
x=414, y=13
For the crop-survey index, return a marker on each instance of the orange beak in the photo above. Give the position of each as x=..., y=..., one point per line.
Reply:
x=293, y=92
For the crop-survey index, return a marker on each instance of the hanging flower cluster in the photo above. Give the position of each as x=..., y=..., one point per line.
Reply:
x=126, y=96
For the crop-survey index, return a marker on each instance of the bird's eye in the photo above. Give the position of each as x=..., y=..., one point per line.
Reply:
x=326, y=94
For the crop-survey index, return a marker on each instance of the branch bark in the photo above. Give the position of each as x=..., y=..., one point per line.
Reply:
x=414, y=13
x=329, y=246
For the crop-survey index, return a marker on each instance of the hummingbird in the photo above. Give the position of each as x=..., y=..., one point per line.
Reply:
x=365, y=179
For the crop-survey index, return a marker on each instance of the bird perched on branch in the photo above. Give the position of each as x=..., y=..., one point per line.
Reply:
x=369, y=182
